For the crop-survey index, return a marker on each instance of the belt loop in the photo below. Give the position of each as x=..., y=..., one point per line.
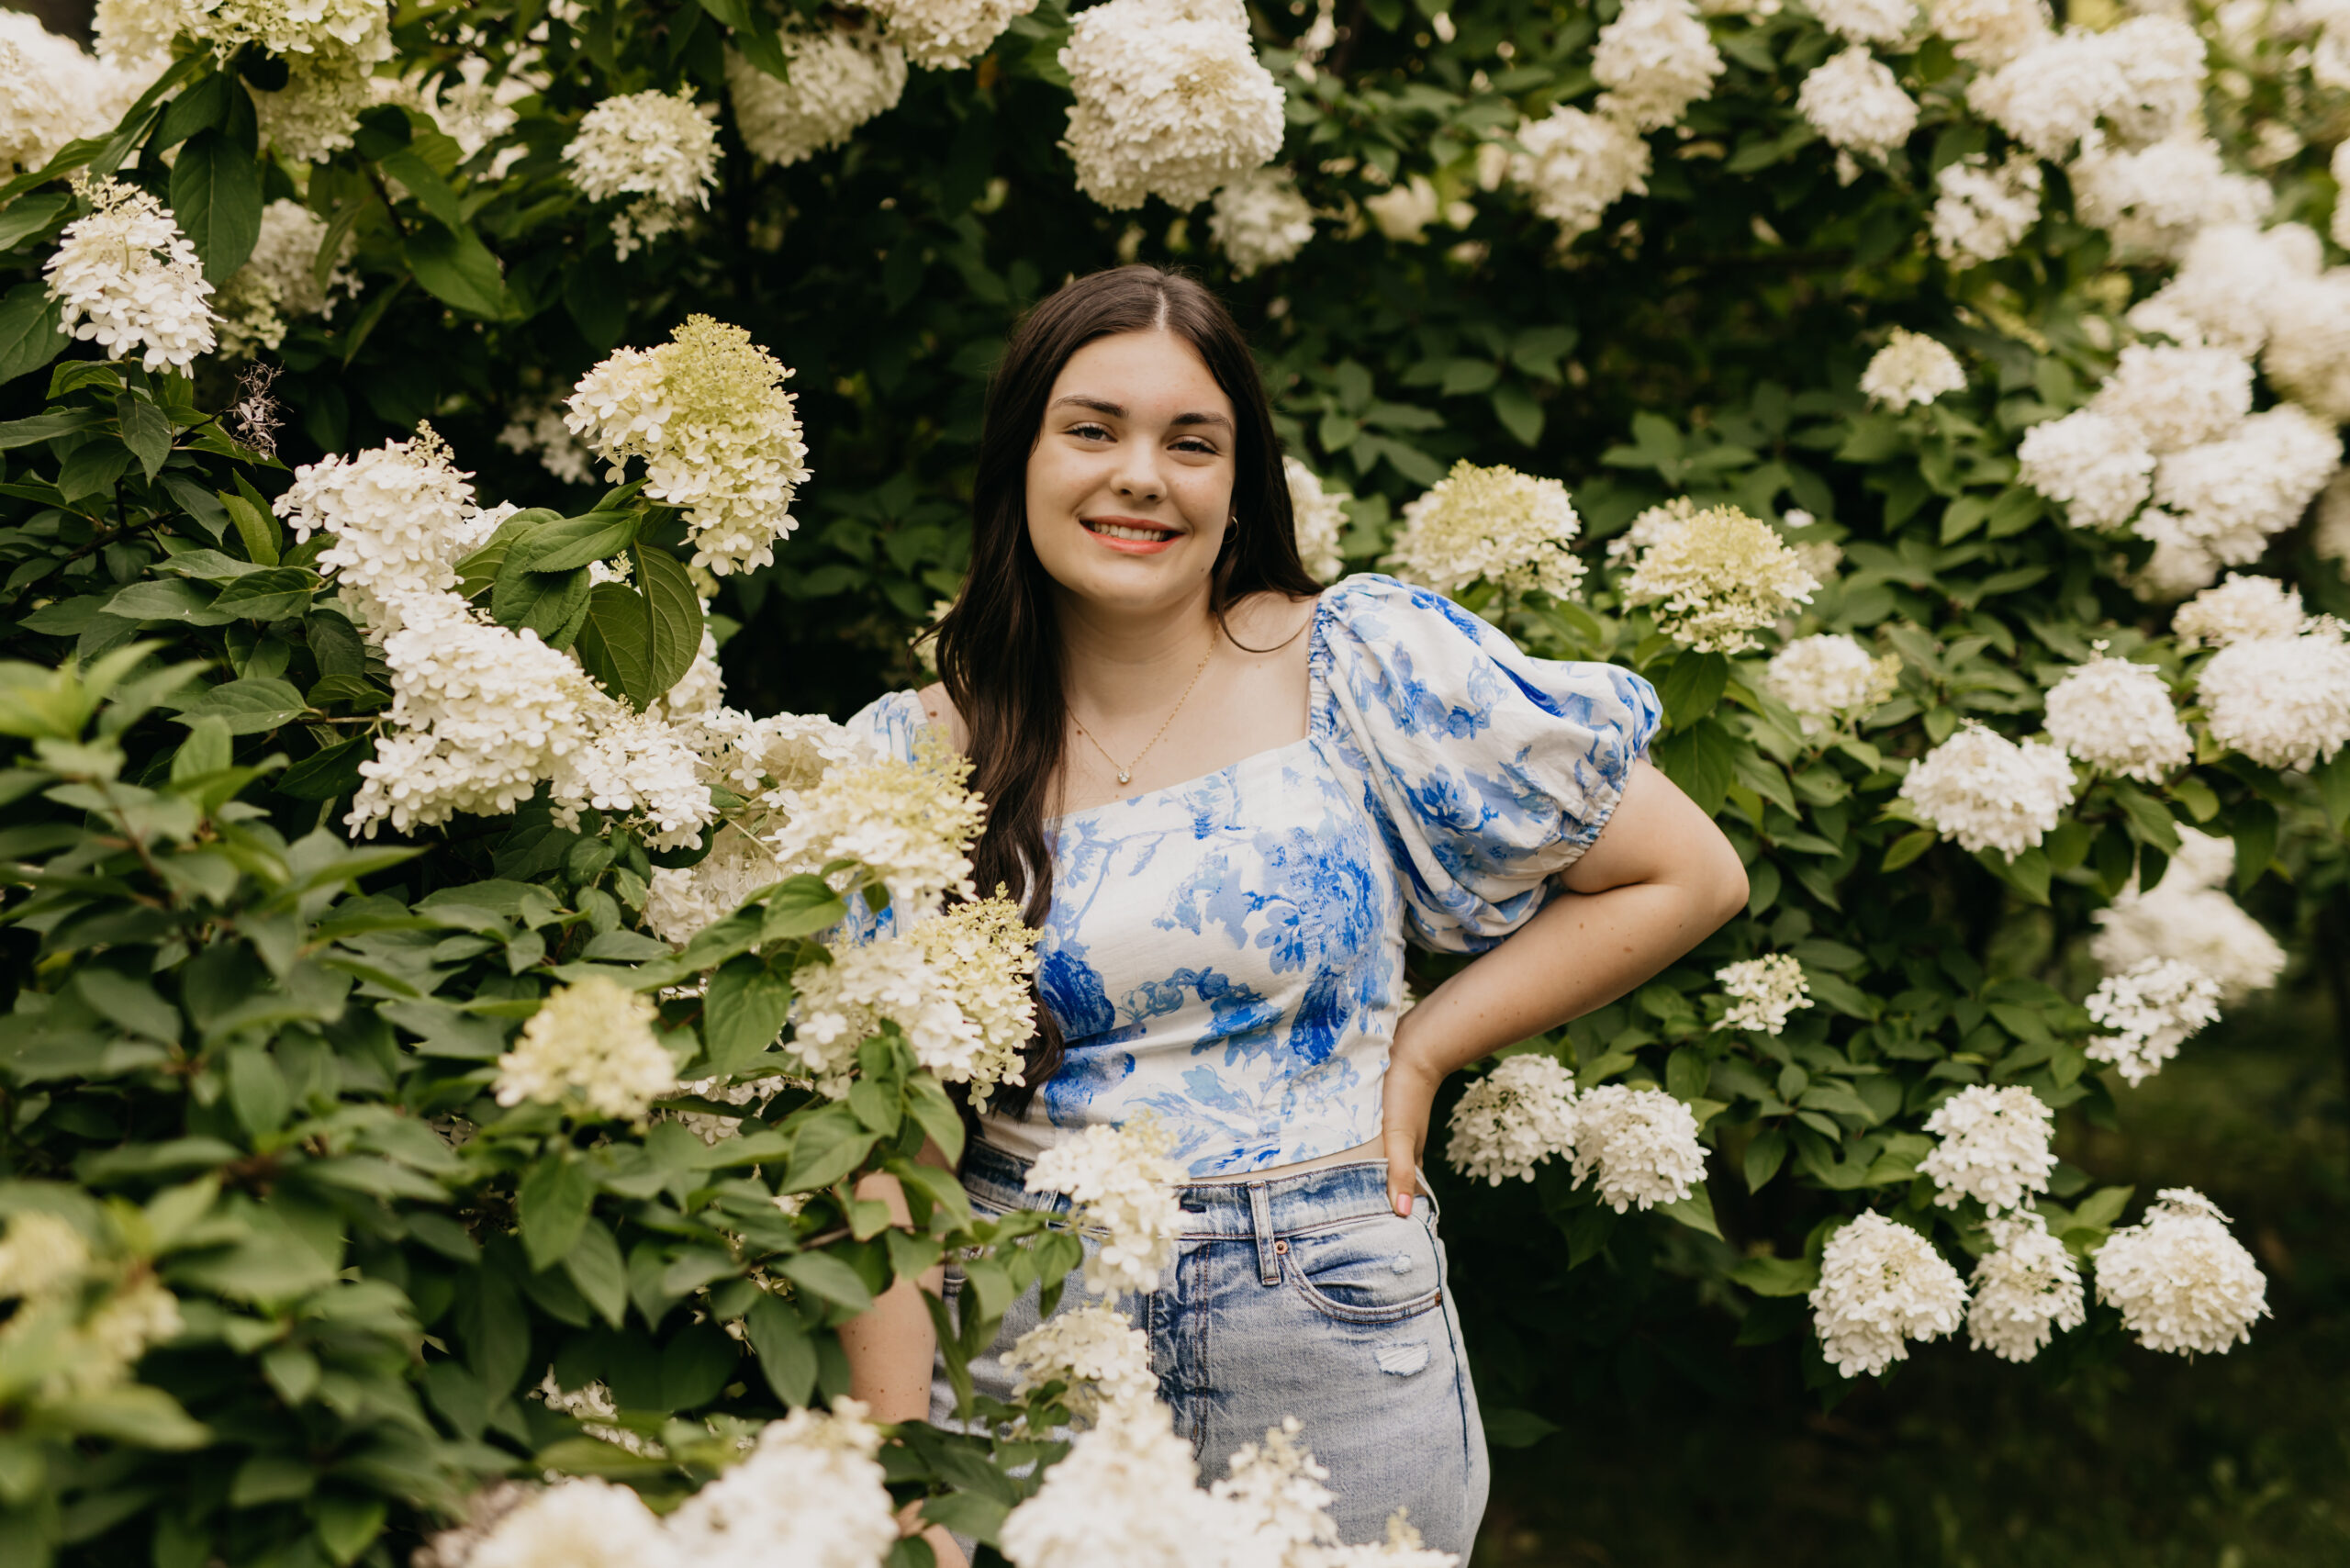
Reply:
x=1434, y=1207
x=1261, y=1216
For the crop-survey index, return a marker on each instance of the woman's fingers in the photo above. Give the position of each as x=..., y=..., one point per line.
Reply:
x=1403, y=1169
x=1404, y=1130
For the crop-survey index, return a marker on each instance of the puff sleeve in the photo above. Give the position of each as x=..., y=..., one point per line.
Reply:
x=1485, y=769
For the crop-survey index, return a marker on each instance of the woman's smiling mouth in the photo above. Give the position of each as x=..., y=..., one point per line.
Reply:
x=1129, y=535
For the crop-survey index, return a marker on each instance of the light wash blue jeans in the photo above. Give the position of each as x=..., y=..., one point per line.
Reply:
x=1304, y=1295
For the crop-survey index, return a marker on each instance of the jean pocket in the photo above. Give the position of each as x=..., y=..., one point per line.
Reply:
x=1381, y=1269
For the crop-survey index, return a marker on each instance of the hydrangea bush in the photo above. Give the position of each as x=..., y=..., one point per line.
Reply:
x=460, y=463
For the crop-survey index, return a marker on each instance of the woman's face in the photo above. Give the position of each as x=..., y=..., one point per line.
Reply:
x=1130, y=481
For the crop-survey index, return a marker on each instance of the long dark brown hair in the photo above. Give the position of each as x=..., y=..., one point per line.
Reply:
x=998, y=647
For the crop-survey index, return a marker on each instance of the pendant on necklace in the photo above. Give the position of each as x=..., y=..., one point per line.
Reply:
x=1124, y=777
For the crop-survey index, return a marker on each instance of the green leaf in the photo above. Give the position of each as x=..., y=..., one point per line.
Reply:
x=1907, y=847
x=347, y=1525
x=1693, y=686
x=574, y=542
x=208, y=749
x=33, y=215
x=32, y=332
x=145, y=431
x=258, y=1092
x=1507, y=1427
x=555, y=1200
x=967, y=1513
x=215, y=196
x=821, y=1274
x=786, y=1354
x=675, y=630
x=1696, y=1211
x=1777, y=1276
x=249, y=706
x=749, y=1004
x=552, y=604
x=435, y=194
x=132, y=1413
x=1519, y=412
x=2254, y=828
x=203, y=106
x=611, y=644
x=455, y=268
x=274, y=593
x=828, y=1146
x=596, y=1266
x=256, y=526
x=327, y=774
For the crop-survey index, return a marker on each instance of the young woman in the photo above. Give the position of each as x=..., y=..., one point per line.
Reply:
x=1230, y=796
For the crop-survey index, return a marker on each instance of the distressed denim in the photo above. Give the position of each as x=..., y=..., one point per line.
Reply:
x=1304, y=1295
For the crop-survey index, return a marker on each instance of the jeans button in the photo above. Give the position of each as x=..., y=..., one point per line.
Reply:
x=1280, y=1247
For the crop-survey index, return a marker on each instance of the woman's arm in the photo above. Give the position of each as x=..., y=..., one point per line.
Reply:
x=892, y=1345
x=1659, y=879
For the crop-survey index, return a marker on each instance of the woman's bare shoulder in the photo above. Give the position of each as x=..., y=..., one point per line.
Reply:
x=940, y=709
x=1271, y=620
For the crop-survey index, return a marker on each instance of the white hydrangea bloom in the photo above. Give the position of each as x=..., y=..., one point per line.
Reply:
x=476, y=111
x=1989, y=33
x=2098, y=466
x=634, y=766
x=2230, y=495
x=2310, y=342
x=41, y=1256
x=1881, y=1285
x=2161, y=62
x=2118, y=716
x=1856, y=103
x=2229, y=278
x=1274, y=1492
x=957, y=985
x=285, y=27
x=1981, y=210
x=592, y=1405
x=2155, y=200
x=946, y=35
x=2188, y=918
x=314, y=115
x=657, y=147
x=1404, y=211
x=1122, y=1185
x=681, y=902
x=480, y=715
x=129, y=280
x=2181, y=1282
x=2180, y=564
x=402, y=516
x=1718, y=580
x=1102, y=1359
x=2150, y=1008
x=135, y=35
x=812, y=1494
x=1642, y=1144
x=591, y=1043
x=1171, y=101
x=1988, y=792
x=1576, y=165
x=51, y=92
x=1259, y=220
x=1512, y=1119
x=1493, y=525
x=911, y=824
x=1912, y=369
x=580, y=1522
x=720, y=436
x=1829, y=676
x=1765, y=992
x=1321, y=518
x=279, y=282
x=2176, y=398
x=840, y=77
x=1127, y=1496
x=1655, y=60
x=1865, y=21
x=2050, y=95
x=2026, y=1287
x=1994, y=1147
x=2282, y=701
x=2240, y=608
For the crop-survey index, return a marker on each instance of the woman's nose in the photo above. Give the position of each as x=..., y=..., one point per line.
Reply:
x=1139, y=478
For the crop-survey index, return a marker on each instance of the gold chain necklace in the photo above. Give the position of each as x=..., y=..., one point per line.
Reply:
x=1126, y=773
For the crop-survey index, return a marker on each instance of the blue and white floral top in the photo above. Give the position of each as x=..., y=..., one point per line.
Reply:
x=1228, y=953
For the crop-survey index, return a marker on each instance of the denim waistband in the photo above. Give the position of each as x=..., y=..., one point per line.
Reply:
x=1276, y=1205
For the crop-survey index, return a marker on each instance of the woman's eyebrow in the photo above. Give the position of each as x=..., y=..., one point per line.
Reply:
x=1118, y=411
x=1200, y=418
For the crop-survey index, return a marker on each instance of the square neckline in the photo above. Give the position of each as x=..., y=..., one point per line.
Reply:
x=1316, y=661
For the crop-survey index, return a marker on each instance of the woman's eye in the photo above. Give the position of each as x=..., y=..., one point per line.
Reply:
x=1195, y=445
x=1088, y=432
